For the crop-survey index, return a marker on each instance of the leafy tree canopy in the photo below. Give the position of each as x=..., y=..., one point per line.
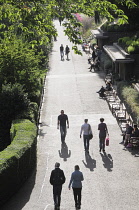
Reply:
x=33, y=19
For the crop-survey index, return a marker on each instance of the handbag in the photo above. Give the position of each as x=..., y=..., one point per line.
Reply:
x=107, y=141
x=90, y=134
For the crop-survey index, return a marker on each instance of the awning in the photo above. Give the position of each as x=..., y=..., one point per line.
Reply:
x=98, y=34
x=117, y=55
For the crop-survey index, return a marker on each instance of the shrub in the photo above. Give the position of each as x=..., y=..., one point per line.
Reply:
x=130, y=97
x=130, y=44
x=130, y=49
x=13, y=102
x=18, y=160
x=20, y=64
x=31, y=113
x=113, y=27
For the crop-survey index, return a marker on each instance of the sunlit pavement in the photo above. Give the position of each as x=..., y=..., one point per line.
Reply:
x=111, y=180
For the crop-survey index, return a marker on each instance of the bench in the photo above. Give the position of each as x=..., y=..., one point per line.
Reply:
x=121, y=114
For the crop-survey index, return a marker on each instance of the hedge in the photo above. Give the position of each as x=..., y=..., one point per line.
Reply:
x=130, y=97
x=18, y=160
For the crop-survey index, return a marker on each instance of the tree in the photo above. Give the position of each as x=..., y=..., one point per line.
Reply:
x=33, y=19
x=26, y=32
x=20, y=64
x=13, y=101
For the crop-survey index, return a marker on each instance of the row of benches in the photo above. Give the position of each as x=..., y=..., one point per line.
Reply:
x=119, y=111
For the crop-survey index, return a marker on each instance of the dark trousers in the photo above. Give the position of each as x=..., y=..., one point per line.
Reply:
x=102, y=143
x=62, y=55
x=86, y=142
x=77, y=195
x=57, y=189
x=67, y=56
x=63, y=132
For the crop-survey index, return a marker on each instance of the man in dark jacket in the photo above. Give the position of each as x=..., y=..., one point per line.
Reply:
x=57, y=179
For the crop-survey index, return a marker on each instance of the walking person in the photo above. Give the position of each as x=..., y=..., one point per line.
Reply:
x=103, y=131
x=57, y=179
x=62, y=122
x=76, y=182
x=62, y=52
x=86, y=130
x=67, y=50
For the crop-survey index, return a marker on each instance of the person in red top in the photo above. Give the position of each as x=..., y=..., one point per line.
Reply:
x=103, y=131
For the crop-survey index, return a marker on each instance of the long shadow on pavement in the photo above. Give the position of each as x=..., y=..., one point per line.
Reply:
x=64, y=153
x=107, y=161
x=40, y=131
x=90, y=163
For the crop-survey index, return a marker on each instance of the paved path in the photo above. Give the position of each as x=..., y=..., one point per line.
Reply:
x=111, y=179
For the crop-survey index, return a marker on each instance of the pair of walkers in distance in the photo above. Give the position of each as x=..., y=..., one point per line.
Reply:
x=67, y=50
x=63, y=124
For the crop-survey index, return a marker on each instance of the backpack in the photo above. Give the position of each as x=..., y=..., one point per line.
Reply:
x=58, y=177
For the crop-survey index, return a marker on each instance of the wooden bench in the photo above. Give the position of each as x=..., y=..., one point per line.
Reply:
x=121, y=114
x=130, y=120
x=123, y=127
x=115, y=107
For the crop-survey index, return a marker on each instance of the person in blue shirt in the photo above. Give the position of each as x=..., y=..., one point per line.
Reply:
x=76, y=182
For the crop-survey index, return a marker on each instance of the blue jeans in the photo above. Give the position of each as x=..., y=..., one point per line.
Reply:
x=63, y=132
x=86, y=142
x=57, y=189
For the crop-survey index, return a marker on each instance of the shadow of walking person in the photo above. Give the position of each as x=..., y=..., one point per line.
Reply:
x=64, y=152
x=90, y=163
x=108, y=161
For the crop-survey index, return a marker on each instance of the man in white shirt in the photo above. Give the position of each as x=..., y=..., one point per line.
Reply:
x=86, y=130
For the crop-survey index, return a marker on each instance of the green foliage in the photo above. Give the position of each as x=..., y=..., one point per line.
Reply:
x=26, y=33
x=19, y=64
x=18, y=160
x=130, y=44
x=130, y=97
x=130, y=49
x=23, y=133
x=115, y=27
x=31, y=113
x=13, y=102
x=75, y=48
